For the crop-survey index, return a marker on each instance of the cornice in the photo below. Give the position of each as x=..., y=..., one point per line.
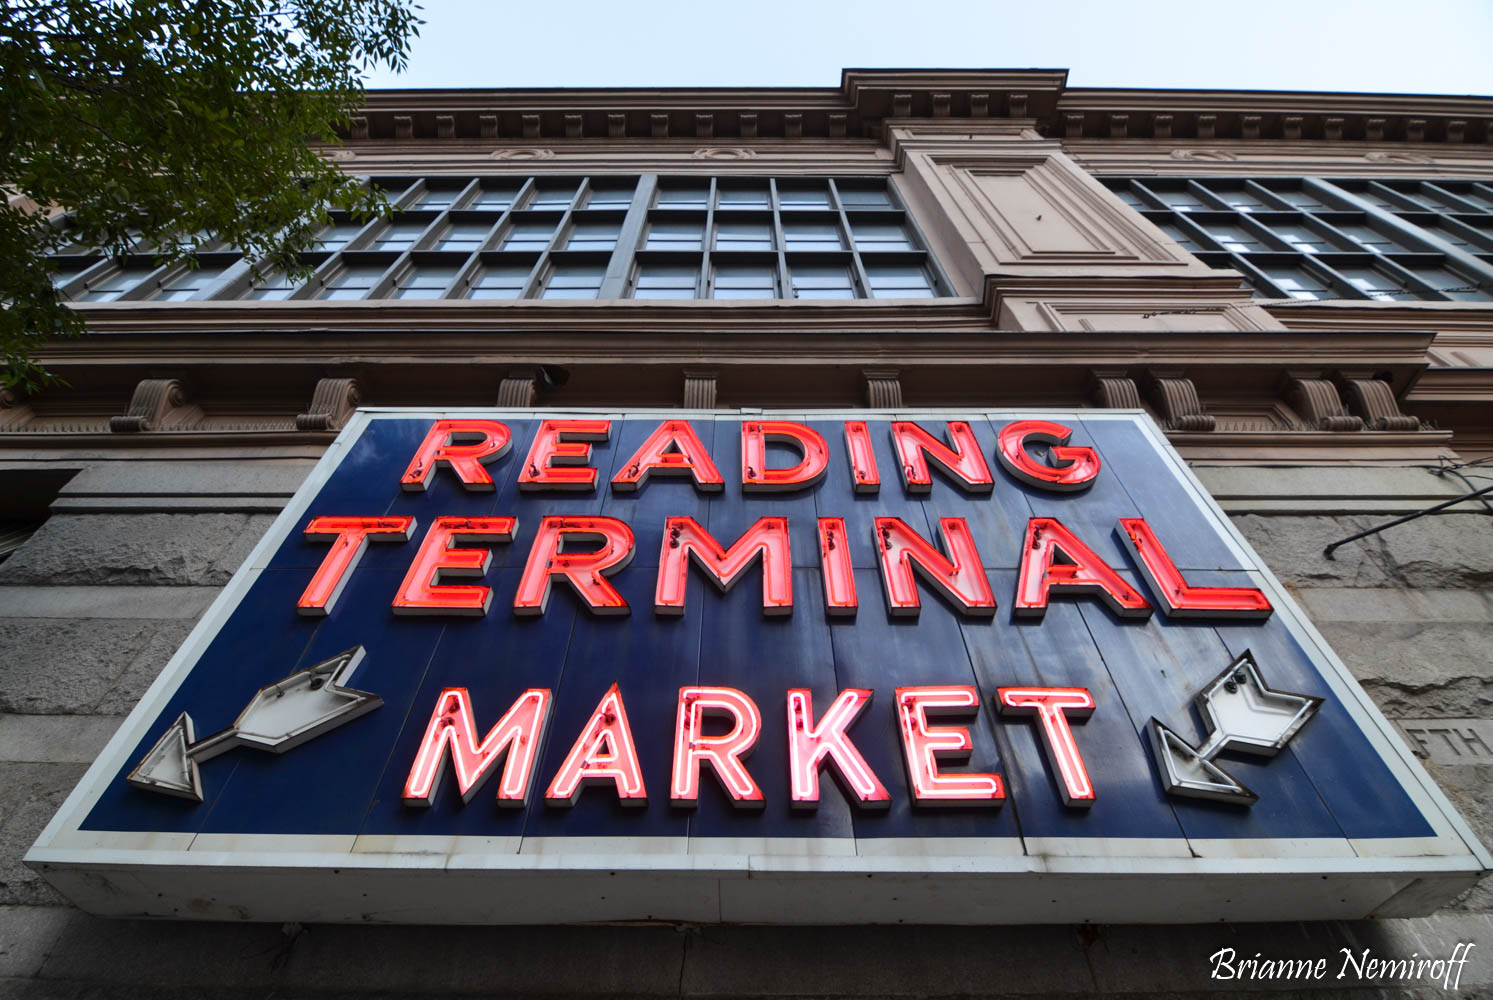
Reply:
x=866, y=98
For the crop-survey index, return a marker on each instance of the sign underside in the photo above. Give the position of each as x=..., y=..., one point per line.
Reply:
x=923, y=667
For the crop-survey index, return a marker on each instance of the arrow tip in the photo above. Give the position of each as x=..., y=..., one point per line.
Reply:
x=167, y=767
x=1185, y=771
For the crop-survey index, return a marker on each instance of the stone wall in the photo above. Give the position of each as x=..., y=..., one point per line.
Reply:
x=92, y=606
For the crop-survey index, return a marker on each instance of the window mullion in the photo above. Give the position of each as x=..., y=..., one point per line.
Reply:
x=1413, y=235
x=629, y=238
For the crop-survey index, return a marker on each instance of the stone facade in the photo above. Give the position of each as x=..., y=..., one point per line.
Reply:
x=146, y=528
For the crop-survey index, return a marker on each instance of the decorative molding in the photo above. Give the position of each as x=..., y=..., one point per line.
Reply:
x=404, y=127
x=616, y=126
x=1374, y=401
x=1115, y=391
x=746, y=124
x=155, y=400
x=487, y=126
x=883, y=388
x=531, y=126
x=705, y=126
x=699, y=388
x=524, y=153
x=445, y=126
x=332, y=403
x=575, y=126
x=1177, y=399
x=519, y=389
x=1317, y=401
x=659, y=126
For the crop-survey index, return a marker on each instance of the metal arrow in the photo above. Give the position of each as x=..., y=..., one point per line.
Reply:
x=284, y=715
x=1242, y=715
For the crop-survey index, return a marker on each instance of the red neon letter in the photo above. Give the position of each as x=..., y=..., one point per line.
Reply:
x=723, y=753
x=834, y=565
x=756, y=477
x=419, y=594
x=1178, y=598
x=810, y=747
x=1080, y=571
x=685, y=539
x=1053, y=707
x=466, y=460
x=673, y=449
x=559, y=458
x=915, y=447
x=961, y=579
x=349, y=537
x=516, y=736
x=924, y=746
x=1080, y=466
x=586, y=572
x=863, y=473
x=603, y=752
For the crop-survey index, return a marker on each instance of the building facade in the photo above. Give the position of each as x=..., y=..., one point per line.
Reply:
x=1296, y=288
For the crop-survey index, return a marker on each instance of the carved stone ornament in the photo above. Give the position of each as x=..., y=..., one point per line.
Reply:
x=725, y=153
x=699, y=389
x=13, y=412
x=154, y=400
x=1318, y=403
x=518, y=390
x=342, y=155
x=524, y=153
x=332, y=403
x=883, y=388
x=1375, y=402
x=1177, y=400
x=1381, y=156
x=1216, y=155
x=1113, y=391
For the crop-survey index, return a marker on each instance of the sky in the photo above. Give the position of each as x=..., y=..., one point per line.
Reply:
x=1393, y=46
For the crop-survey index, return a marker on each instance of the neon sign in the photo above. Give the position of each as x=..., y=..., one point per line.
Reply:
x=831, y=646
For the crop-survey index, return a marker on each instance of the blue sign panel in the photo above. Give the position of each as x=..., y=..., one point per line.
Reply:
x=1020, y=646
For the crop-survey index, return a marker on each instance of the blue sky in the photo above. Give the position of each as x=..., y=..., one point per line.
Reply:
x=1429, y=46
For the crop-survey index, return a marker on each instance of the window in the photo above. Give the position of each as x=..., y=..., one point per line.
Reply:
x=494, y=199
x=607, y=236
x=745, y=281
x=499, y=283
x=881, y=236
x=593, y=236
x=675, y=234
x=662, y=281
x=397, y=236
x=676, y=195
x=463, y=237
x=814, y=281
x=794, y=197
x=437, y=198
x=573, y=281
x=811, y=236
x=338, y=235
x=428, y=282
x=895, y=281
x=352, y=282
x=553, y=196
x=734, y=235
x=1393, y=240
x=273, y=286
x=742, y=197
x=611, y=195
x=532, y=234
x=187, y=283
x=114, y=283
